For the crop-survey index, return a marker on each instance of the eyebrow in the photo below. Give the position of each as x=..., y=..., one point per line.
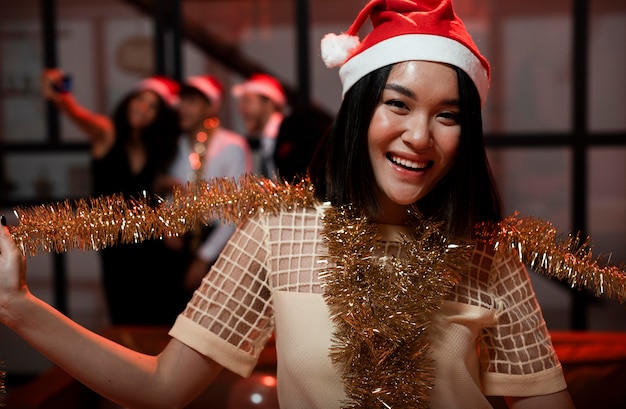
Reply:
x=407, y=92
x=402, y=90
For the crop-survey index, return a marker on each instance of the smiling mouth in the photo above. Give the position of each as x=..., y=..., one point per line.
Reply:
x=408, y=164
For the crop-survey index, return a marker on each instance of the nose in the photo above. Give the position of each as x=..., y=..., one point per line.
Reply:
x=143, y=106
x=418, y=134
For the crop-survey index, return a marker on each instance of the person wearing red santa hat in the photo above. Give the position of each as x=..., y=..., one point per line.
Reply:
x=353, y=295
x=261, y=103
x=129, y=150
x=206, y=150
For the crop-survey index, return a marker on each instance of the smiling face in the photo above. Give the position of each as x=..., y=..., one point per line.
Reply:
x=143, y=109
x=414, y=134
x=255, y=110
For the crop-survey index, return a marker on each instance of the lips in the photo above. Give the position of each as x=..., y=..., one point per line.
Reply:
x=409, y=164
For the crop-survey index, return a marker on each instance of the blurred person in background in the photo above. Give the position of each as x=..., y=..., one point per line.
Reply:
x=261, y=104
x=206, y=150
x=129, y=150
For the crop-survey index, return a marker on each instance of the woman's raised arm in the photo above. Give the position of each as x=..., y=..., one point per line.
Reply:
x=97, y=127
x=132, y=379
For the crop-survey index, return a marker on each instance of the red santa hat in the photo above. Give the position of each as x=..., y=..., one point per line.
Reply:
x=209, y=86
x=164, y=87
x=262, y=84
x=404, y=30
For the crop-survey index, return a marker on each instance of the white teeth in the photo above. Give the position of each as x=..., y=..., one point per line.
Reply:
x=409, y=164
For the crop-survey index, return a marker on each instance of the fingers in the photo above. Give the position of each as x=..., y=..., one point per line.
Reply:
x=6, y=241
x=12, y=271
x=50, y=77
x=9, y=250
x=4, y=235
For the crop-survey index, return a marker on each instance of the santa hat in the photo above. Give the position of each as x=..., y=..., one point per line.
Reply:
x=405, y=30
x=164, y=87
x=262, y=84
x=208, y=85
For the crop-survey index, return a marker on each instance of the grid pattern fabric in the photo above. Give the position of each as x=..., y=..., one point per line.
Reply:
x=519, y=343
x=285, y=252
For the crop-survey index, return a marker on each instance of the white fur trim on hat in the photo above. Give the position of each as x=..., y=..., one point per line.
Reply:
x=409, y=47
x=261, y=87
x=205, y=86
x=335, y=49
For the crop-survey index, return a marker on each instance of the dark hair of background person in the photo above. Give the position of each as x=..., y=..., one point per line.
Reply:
x=160, y=137
x=189, y=91
x=300, y=133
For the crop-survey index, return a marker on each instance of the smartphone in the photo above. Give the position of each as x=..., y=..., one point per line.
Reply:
x=63, y=86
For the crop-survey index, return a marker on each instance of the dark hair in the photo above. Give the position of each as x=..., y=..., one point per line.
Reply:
x=340, y=168
x=342, y=173
x=160, y=137
x=191, y=91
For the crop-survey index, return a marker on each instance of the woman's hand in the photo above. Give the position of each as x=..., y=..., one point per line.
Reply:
x=50, y=78
x=125, y=376
x=99, y=128
x=12, y=272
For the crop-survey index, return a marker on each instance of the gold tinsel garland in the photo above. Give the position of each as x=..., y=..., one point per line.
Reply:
x=539, y=245
x=382, y=311
x=97, y=223
x=382, y=308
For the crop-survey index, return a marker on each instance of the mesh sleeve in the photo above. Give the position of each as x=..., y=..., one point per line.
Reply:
x=518, y=346
x=232, y=306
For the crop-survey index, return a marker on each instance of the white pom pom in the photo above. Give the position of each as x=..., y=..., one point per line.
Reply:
x=336, y=48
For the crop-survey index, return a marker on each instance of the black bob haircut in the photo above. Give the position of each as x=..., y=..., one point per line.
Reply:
x=342, y=173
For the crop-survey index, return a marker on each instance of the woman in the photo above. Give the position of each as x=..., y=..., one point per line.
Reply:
x=406, y=133
x=129, y=151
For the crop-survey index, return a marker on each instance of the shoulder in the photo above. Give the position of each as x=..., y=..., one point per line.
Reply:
x=229, y=136
x=491, y=259
x=225, y=138
x=299, y=212
x=483, y=255
x=286, y=225
x=295, y=218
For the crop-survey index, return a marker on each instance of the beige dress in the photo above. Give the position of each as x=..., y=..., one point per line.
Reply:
x=488, y=339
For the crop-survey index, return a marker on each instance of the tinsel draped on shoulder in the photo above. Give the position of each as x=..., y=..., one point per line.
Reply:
x=96, y=223
x=569, y=259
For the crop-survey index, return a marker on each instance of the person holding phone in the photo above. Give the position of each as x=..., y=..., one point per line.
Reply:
x=129, y=150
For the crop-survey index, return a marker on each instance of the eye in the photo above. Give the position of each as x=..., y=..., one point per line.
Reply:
x=449, y=117
x=396, y=103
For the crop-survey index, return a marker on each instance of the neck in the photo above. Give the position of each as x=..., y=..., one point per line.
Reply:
x=392, y=213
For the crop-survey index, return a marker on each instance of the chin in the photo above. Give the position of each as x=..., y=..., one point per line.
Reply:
x=408, y=199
